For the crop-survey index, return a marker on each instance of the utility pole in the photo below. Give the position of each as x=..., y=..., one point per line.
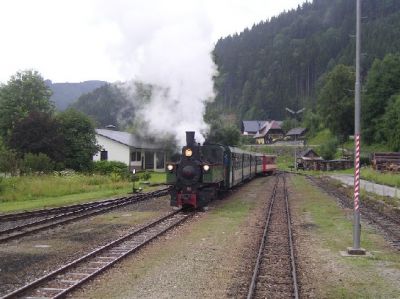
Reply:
x=295, y=113
x=356, y=249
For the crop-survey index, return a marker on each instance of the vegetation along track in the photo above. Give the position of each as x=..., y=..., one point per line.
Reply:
x=274, y=274
x=65, y=279
x=13, y=226
x=389, y=225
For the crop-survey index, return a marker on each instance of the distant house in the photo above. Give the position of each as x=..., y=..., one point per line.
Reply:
x=310, y=160
x=251, y=127
x=296, y=133
x=269, y=132
x=127, y=148
x=307, y=159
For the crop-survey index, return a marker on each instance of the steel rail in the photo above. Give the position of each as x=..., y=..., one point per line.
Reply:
x=87, y=211
x=63, y=209
x=254, y=280
x=292, y=257
x=253, y=283
x=120, y=245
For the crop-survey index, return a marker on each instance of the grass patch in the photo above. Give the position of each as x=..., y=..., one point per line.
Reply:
x=388, y=178
x=51, y=202
x=334, y=232
x=36, y=192
x=322, y=137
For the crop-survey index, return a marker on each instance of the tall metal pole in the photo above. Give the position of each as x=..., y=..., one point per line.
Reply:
x=357, y=227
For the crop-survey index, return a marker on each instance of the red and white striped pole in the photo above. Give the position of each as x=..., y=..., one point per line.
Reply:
x=357, y=174
x=357, y=226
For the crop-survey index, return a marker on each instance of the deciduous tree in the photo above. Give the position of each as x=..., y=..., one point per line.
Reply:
x=382, y=83
x=38, y=133
x=79, y=137
x=24, y=93
x=336, y=101
x=390, y=126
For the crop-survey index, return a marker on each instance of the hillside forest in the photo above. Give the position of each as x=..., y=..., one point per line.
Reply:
x=305, y=58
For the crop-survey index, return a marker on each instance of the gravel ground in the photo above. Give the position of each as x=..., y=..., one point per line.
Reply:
x=33, y=256
x=211, y=256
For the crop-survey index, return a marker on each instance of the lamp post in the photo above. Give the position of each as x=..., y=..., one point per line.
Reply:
x=295, y=113
x=356, y=249
x=134, y=179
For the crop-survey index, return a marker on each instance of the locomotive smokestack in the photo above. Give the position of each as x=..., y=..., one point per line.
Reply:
x=190, y=138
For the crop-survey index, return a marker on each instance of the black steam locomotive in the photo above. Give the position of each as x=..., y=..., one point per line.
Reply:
x=204, y=170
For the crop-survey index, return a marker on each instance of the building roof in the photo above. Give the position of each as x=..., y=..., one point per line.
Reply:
x=306, y=154
x=269, y=125
x=252, y=126
x=126, y=138
x=296, y=131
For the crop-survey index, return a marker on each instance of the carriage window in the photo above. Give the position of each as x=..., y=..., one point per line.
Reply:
x=237, y=158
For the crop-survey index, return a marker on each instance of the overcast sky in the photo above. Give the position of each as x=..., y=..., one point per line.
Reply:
x=77, y=40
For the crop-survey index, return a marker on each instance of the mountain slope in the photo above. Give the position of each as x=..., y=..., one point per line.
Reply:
x=65, y=94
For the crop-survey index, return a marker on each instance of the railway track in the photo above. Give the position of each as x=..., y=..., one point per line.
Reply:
x=62, y=281
x=17, y=225
x=390, y=226
x=274, y=274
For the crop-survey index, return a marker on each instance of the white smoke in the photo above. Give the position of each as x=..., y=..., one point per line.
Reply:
x=171, y=50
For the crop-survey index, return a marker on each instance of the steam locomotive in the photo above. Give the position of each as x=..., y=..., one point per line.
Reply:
x=205, y=170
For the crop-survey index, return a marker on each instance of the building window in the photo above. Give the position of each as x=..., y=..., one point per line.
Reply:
x=160, y=160
x=103, y=155
x=136, y=156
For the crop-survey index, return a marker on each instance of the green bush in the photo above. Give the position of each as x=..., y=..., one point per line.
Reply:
x=9, y=162
x=146, y=176
x=39, y=163
x=328, y=149
x=111, y=168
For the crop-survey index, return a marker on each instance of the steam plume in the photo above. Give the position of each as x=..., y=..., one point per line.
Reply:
x=170, y=50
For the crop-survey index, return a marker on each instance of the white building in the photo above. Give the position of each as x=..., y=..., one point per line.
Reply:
x=127, y=148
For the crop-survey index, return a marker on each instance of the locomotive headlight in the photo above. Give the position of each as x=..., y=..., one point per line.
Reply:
x=188, y=152
x=170, y=167
x=206, y=167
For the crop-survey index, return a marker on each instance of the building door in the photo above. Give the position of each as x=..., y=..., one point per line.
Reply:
x=149, y=160
x=104, y=155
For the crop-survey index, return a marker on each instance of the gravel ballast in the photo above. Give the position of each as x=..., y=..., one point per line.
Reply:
x=31, y=257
